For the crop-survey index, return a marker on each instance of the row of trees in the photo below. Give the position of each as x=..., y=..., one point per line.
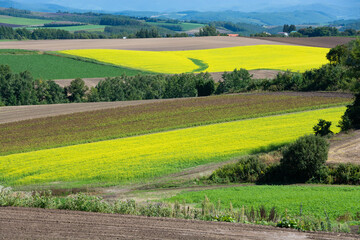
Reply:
x=22, y=89
x=40, y=34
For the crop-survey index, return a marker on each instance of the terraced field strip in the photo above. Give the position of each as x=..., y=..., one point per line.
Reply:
x=99, y=28
x=335, y=200
x=145, y=157
x=145, y=118
x=45, y=66
x=22, y=21
x=276, y=57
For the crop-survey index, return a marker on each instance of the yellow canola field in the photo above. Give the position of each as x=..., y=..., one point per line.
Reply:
x=277, y=57
x=160, y=62
x=142, y=157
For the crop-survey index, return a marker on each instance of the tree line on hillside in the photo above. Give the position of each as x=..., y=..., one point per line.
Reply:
x=325, y=31
x=110, y=32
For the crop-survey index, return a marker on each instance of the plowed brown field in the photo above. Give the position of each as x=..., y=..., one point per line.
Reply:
x=326, y=42
x=150, y=44
x=26, y=223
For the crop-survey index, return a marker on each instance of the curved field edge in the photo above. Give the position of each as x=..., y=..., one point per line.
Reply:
x=121, y=122
x=144, y=157
x=314, y=200
x=279, y=57
x=51, y=65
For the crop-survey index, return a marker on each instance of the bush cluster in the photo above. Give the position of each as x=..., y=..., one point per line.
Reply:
x=302, y=161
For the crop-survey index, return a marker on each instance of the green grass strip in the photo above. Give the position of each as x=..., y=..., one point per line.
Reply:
x=315, y=200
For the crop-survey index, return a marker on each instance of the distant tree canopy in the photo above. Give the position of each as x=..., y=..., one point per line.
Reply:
x=119, y=20
x=319, y=31
x=208, y=31
x=145, y=33
x=288, y=28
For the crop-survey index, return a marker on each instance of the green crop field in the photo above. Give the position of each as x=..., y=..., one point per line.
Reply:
x=44, y=66
x=23, y=21
x=336, y=200
x=127, y=121
x=91, y=28
x=142, y=158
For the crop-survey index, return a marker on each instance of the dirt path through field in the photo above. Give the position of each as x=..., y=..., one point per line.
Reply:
x=27, y=223
x=345, y=148
x=149, y=44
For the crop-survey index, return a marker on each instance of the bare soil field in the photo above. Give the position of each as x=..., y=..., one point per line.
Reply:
x=345, y=148
x=151, y=44
x=27, y=223
x=325, y=42
x=19, y=113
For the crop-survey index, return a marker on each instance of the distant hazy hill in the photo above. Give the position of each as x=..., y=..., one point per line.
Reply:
x=261, y=18
x=266, y=12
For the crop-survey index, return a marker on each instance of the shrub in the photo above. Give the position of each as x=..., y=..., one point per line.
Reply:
x=235, y=81
x=304, y=158
x=322, y=128
x=248, y=169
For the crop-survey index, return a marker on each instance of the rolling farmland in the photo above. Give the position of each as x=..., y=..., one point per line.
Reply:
x=277, y=57
x=151, y=117
x=144, y=157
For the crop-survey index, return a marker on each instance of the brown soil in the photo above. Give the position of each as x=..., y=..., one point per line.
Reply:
x=326, y=42
x=153, y=44
x=19, y=113
x=27, y=223
x=345, y=148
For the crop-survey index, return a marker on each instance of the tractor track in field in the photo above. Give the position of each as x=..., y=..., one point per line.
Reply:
x=29, y=223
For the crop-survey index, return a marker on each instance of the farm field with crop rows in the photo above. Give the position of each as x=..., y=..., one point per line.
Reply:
x=147, y=156
x=45, y=66
x=128, y=121
x=336, y=200
x=277, y=57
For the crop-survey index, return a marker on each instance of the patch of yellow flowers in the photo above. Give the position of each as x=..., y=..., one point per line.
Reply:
x=277, y=57
x=146, y=156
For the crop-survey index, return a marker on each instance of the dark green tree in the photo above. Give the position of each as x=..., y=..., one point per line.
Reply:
x=323, y=128
x=208, y=31
x=76, y=90
x=304, y=158
x=235, y=81
x=351, y=118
